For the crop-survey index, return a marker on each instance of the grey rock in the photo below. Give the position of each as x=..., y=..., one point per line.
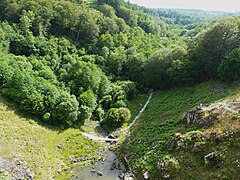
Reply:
x=93, y=170
x=121, y=175
x=146, y=175
x=30, y=175
x=59, y=170
x=111, y=136
x=59, y=146
x=99, y=173
x=196, y=148
x=208, y=157
x=128, y=176
x=167, y=176
x=161, y=166
x=177, y=136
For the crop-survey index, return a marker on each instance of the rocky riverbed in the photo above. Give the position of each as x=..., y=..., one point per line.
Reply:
x=15, y=169
x=108, y=168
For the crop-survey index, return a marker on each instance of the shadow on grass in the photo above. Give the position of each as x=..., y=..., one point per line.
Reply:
x=12, y=106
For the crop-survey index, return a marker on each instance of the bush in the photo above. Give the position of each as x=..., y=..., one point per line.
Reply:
x=116, y=117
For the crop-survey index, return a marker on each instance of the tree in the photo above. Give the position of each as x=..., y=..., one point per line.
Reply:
x=158, y=67
x=4, y=41
x=116, y=117
x=220, y=39
x=108, y=25
x=106, y=40
x=116, y=60
x=135, y=67
x=89, y=99
x=108, y=10
x=88, y=30
x=229, y=69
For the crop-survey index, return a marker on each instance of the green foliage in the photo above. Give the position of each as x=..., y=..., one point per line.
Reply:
x=129, y=87
x=45, y=140
x=116, y=60
x=4, y=40
x=218, y=40
x=74, y=60
x=229, y=69
x=88, y=103
x=36, y=95
x=65, y=61
x=116, y=117
x=160, y=66
x=163, y=118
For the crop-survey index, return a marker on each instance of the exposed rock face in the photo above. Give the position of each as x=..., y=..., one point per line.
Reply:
x=202, y=116
x=205, y=115
x=15, y=169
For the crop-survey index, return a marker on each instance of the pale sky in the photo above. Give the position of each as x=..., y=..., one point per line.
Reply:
x=212, y=5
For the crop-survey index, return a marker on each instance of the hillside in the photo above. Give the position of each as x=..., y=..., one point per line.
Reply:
x=45, y=151
x=163, y=144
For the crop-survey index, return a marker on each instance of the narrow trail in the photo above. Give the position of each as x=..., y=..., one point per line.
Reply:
x=97, y=138
x=230, y=107
x=139, y=114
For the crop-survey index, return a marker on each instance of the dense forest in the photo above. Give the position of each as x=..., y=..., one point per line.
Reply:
x=67, y=61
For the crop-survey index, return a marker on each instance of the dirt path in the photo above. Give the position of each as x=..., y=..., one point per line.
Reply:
x=97, y=138
x=139, y=114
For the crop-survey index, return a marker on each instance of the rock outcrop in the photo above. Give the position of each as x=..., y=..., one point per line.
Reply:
x=15, y=169
x=206, y=115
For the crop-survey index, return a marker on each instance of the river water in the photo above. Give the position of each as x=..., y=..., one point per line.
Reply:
x=91, y=172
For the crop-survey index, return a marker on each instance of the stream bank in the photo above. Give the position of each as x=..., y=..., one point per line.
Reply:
x=110, y=168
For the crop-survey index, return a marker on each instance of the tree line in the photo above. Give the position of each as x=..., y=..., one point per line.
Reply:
x=67, y=61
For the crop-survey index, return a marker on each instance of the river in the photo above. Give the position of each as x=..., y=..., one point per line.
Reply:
x=103, y=167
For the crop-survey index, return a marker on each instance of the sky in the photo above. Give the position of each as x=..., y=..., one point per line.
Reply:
x=211, y=5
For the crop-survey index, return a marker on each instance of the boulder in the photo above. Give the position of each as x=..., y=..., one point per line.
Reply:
x=167, y=176
x=177, y=136
x=128, y=176
x=205, y=115
x=146, y=175
x=121, y=175
x=161, y=166
x=99, y=173
x=111, y=136
x=202, y=116
x=196, y=148
x=176, y=142
x=59, y=146
x=30, y=175
x=208, y=157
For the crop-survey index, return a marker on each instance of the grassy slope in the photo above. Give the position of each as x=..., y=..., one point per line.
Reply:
x=164, y=117
x=23, y=137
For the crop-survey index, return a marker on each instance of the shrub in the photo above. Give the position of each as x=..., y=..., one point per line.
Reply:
x=116, y=117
